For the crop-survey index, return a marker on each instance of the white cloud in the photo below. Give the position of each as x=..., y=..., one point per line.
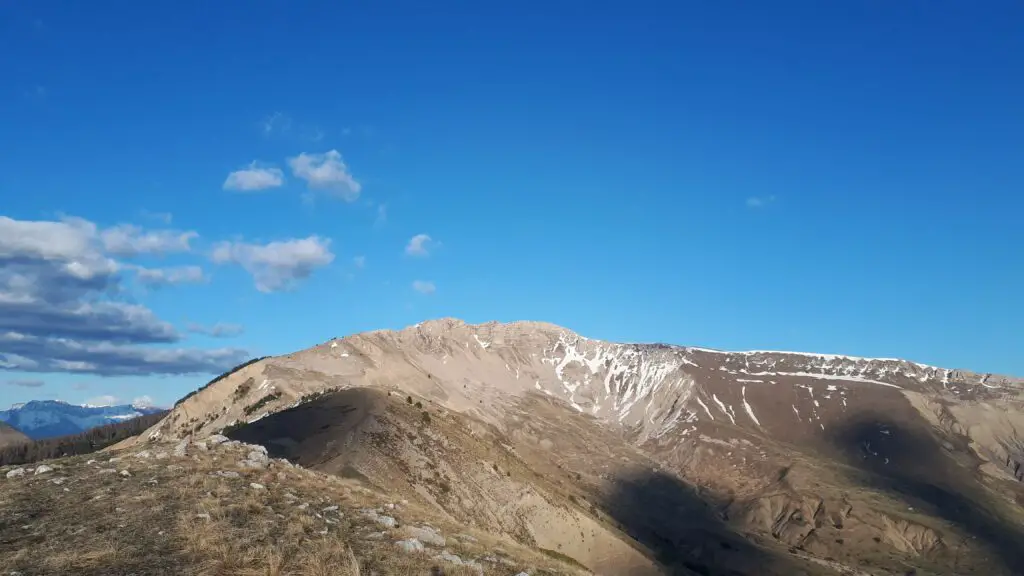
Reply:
x=218, y=330
x=167, y=276
x=276, y=266
x=131, y=240
x=26, y=383
x=424, y=286
x=254, y=177
x=359, y=261
x=419, y=245
x=142, y=402
x=326, y=172
x=105, y=400
x=57, y=314
x=759, y=201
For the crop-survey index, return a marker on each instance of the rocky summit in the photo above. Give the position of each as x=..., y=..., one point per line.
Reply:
x=615, y=458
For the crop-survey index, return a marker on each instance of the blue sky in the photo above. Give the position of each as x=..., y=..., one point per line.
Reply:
x=184, y=184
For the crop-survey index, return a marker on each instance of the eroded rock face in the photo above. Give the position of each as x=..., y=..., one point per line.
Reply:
x=820, y=453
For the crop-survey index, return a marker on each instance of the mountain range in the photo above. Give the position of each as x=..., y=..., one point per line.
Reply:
x=651, y=458
x=40, y=419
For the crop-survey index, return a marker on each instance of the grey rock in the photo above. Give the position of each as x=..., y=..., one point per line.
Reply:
x=59, y=481
x=330, y=509
x=256, y=486
x=90, y=462
x=409, y=546
x=180, y=449
x=448, y=557
x=374, y=536
x=216, y=440
x=16, y=473
x=162, y=455
x=126, y=473
x=201, y=446
x=386, y=521
x=427, y=535
x=145, y=454
x=43, y=469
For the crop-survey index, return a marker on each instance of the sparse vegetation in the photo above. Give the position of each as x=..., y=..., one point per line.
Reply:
x=250, y=409
x=181, y=516
x=219, y=378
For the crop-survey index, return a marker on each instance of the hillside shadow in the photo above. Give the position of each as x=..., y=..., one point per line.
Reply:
x=910, y=463
x=685, y=532
x=316, y=431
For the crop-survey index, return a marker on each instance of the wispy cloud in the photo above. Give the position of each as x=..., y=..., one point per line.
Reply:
x=760, y=201
x=24, y=383
x=276, y=266
x=155, y=277
x=80, y=386
x=382, y=215
x=131, y=240
x=218, y=330
x=276, y=123
x=359, y=261
x=162, y=217
x=326, y=172
x=254, y=177
x=419, y=245
x=424, y=286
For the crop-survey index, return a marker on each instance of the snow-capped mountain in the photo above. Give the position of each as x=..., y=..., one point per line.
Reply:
x=40, y=419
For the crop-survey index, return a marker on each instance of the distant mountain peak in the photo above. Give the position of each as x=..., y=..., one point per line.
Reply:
x=50, y=418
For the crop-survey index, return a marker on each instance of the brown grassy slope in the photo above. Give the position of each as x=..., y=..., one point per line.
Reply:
x=552, y=478
x=176, y=515
x=9, y=435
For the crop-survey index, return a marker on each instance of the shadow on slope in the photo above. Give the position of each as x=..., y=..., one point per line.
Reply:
x=905, y=459
x=686, y=532
x=318, y=430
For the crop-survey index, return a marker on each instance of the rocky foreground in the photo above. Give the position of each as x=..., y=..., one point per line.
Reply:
x=220, y=506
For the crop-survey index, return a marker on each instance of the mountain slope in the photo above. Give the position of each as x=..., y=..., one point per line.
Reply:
x=206, y=509
x=41, y=419
x=874, y=464
x=9, y=435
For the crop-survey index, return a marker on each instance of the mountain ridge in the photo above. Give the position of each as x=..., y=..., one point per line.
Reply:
x=782, y=446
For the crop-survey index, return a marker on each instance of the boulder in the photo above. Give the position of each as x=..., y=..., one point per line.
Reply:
x=216, y=440
x=409, y=546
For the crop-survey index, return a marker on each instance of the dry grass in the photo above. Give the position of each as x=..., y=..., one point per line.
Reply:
x=173, y=517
